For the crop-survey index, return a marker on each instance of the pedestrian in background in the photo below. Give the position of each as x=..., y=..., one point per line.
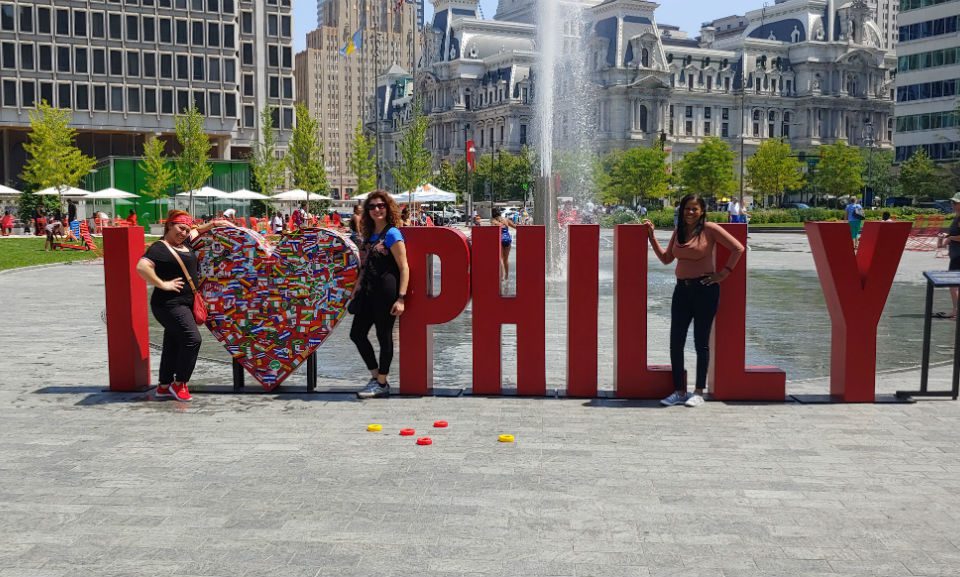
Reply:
x=6, y=224
x=952, y=239
x=855, y=217
x=697, y=292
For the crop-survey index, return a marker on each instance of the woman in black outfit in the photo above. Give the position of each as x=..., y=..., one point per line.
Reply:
x=378, y=300
x=952, y=240
x=172, y=300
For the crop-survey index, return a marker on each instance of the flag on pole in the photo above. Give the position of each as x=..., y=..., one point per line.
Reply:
x=354, y=44
x=471, y=156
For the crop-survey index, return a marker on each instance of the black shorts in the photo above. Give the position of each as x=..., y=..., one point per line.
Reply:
x=954, y=263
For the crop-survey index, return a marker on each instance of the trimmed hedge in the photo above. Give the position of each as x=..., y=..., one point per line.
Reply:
x=664, y=218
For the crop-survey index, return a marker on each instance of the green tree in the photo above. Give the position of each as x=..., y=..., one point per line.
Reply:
x=840, y=170
x=708, y=170
x=363, y=164
x=772, y=170
x=192, y=166
x=268, y=170
x=416, y=162
x=305, y=155
x=920, y=178
x=635, y=174
x=53, y=159
x=447, y=179
x=158, y=176
x=878, y=171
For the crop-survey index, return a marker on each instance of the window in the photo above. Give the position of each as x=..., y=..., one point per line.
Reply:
x=246, y=54
x=10, y=93
x=274, y=87
x=246, y=22
x=28, y=94
x=115, y=25
x=707, y=129
x=215, y=108
x=166, y=31
x=46, y=92
x=707, y=111
x=197, y=37
x=273, y=56
x=149, y=29
x=230, y=105
x=63, y=59
x=227, y=7
x=288, y=88
x=26, y=19
x=116, y=63
x=285, y=26
x=196, y=5
x=166, y=101
x=213, y=34
x=725, y=113
x=688, y=126
x=97, y=25
x=100, y=98
x=273, y=25
x=229, y=31
x=182, y=36
x=287, y=117
x=213, y=73
x=80, y=60
x=213, y=6
x=133, y=63
x=725, y=130
x=6, y=17
x=229, y=70
x=688, y=112
x=64, y=96
x=133, y=99
x=80, y=23
x=150, y=100
x=43, y=20
x=248, y=115
x=756, y=129
x=166, y=66
x=183, y=71
x=198, y=68
x=149, y=65
x=116, y=99
x=200, y=101
x=99, y=61
x=63, y=22
x=287, y=57
x=183, y=100
x=248, y=84
x=8, y=55
x=82, y=94
x=26, y=57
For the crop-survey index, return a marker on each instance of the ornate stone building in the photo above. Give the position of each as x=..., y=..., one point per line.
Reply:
x=805, y=70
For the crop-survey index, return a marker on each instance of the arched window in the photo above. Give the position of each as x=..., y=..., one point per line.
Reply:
x=645, y=58
x=643, y=118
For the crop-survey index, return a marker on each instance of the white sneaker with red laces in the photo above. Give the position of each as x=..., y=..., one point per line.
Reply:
x=180, y=392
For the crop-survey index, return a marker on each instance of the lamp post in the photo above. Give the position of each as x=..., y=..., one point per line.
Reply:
x=869, y=141
x=466, y=173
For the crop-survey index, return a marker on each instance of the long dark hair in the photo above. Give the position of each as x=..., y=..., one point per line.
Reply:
x=681, y=225
x=367, y=226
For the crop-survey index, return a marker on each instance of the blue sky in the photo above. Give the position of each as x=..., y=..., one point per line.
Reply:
x=687, y=14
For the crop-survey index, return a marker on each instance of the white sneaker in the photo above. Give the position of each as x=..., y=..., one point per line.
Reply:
x=694, y=400
x=676, y=398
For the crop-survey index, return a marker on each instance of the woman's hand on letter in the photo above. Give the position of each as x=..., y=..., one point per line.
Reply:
x=650, y=226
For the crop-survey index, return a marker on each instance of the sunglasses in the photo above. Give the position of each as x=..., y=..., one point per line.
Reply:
x=377, y=206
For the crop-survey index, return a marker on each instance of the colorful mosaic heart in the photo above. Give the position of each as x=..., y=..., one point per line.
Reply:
x=272, y=306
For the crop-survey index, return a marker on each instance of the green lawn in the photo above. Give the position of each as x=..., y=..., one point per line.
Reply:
x=20, y=252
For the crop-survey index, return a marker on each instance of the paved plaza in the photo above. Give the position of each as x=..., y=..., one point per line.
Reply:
x=98, y=484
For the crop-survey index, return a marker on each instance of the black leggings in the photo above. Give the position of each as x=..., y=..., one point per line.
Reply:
x=181, y=342
x=695, y=302
x=380, y=317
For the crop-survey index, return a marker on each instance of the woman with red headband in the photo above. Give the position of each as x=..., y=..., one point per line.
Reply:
x=172, y=301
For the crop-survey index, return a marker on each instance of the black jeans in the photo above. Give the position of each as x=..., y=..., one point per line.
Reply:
x=695, y=302
x=379, y=317
x=181, y=342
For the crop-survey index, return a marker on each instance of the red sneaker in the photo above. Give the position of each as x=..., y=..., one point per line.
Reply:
x=163, y=392
x=180, y=392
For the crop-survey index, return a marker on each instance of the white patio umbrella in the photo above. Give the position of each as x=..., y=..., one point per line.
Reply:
x=8, y=191
x=296, y=195
x=111, y=194
x=244, y=194
x=427, y=193
x=65, y=191
x=203, y=192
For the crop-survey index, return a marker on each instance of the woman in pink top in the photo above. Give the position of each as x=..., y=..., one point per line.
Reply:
x=697, y=293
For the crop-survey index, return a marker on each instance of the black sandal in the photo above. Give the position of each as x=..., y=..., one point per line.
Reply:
x=943, y=315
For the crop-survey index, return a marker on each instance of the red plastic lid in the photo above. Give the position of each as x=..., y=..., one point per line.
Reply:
x=440, y=424
x=407, y=432
x=424, y=441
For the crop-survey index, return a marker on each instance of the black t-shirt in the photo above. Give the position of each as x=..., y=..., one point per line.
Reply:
x=954, y=248
x=167, y=268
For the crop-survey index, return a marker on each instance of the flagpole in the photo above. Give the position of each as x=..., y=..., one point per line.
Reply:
x=376, y=94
